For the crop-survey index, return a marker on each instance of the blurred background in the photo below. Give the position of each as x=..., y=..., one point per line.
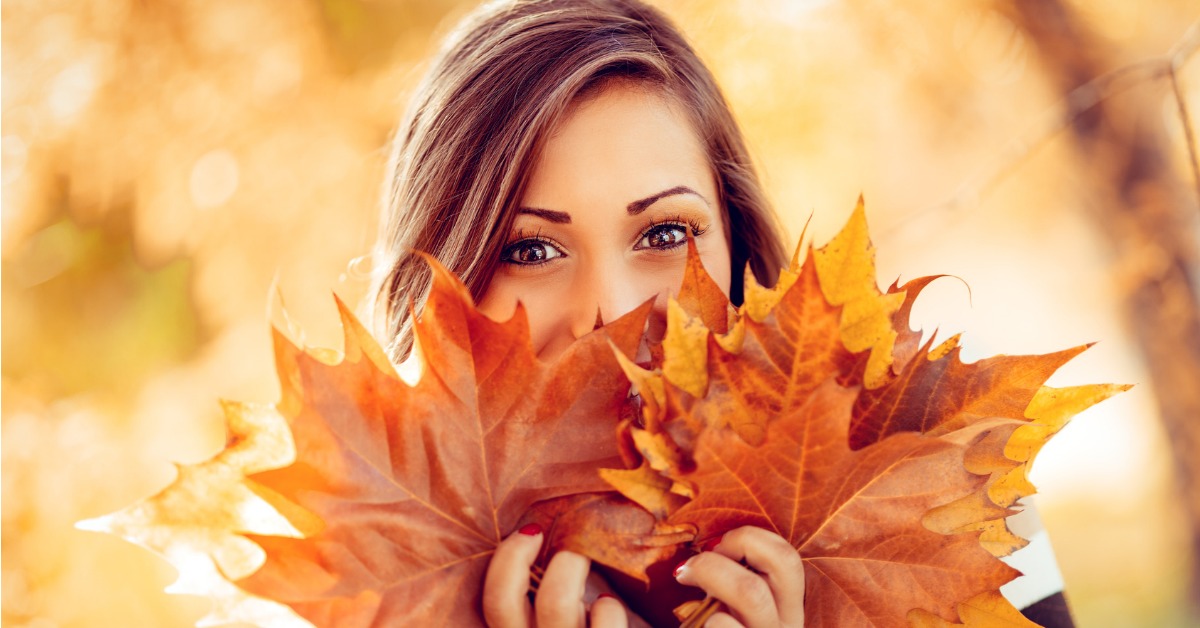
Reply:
x=165, y=162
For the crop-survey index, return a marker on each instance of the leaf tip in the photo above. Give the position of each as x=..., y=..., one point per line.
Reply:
x=625, y=333
x=692, y=253
x=796, y=254
x=358, y=340
x=443, y=279
x=858, y=217
x=947, y=346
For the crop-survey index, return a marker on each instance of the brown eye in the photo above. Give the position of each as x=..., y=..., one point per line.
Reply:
x=530, y=253
x=663, y=236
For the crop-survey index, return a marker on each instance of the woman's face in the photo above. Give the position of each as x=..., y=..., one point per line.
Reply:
x=602, y=226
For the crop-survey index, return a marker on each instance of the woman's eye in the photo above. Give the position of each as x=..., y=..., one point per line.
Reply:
x=664, y=236
x=530, y=252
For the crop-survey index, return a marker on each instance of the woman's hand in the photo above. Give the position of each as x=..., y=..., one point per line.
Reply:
x=566, y=596
x=770, y=592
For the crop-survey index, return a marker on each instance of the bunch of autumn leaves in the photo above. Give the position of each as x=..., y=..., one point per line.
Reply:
x=811, y=410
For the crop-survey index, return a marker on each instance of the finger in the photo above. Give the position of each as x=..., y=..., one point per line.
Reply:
x=608, y=612
x=743, y=591
x=559, y=599
x=778, y=562
x=722, y=620
x=505, y=603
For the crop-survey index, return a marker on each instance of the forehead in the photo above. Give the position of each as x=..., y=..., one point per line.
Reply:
x=624, y=141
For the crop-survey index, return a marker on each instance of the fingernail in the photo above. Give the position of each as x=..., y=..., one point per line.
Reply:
x=679, y=569
x=604, y=595
x=530, y=529
x=712, y=543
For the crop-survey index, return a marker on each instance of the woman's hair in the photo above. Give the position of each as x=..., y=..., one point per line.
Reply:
x=463, y=155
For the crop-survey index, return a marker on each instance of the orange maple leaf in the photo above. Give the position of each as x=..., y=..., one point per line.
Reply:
x=415, y=486
x=610, y=529
x=198, y=521
x=817, y=414
x=855, y=517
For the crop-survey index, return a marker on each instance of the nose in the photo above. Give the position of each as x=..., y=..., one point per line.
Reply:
x=605, y=291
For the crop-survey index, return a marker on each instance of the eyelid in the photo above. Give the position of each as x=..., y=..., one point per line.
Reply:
x=683, y=209
x=681, y=200
x=689, y=224
x=521, y=233
x=522, y=236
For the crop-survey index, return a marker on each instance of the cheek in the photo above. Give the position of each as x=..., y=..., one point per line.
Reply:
x=538, y=296
x=497, y=303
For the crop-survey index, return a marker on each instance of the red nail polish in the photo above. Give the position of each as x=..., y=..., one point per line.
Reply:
x=679, y=569
x=530, y=529
x=712, y=543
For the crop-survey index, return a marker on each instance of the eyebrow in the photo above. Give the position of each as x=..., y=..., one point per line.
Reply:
x=638, y=207
x=634, y=208
x=547, y=214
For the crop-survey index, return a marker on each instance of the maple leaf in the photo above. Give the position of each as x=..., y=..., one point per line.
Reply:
x=197, y=522
x=609, y=529
x=780, y=361
x=988, y=609
x=938, y=394
x=385, y=501
x=818, y=400
x=1004, y=452
x=855, y=517
x=846, y=266
x=417, y=485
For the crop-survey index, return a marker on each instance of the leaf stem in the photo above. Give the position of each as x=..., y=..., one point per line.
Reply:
x=535, y=578
x=701, y=615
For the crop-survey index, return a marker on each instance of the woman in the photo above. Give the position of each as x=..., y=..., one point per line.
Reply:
x=557, y=154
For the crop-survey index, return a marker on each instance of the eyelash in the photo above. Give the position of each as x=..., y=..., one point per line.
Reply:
x=524, y=238
x=676, y=221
